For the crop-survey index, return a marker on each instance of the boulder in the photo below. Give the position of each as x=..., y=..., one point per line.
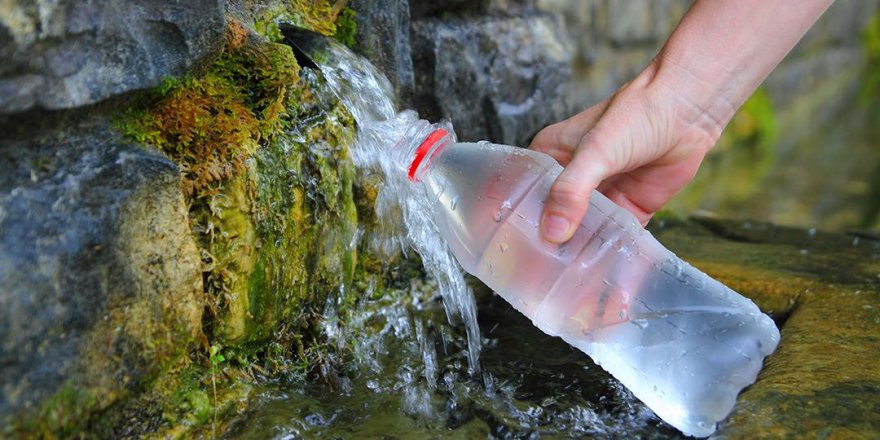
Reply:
x=383, y=37
x=100, y=278
x=68, y=53
x=500, y=78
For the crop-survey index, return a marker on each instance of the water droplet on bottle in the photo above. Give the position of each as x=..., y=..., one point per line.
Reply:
x=503, y=246
x=622, y=314
x=453, y=203
x=497, y=216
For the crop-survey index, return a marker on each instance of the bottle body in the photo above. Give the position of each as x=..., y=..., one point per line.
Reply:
x=682, y=342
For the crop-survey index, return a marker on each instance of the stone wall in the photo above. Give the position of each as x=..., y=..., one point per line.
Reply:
x=176, y=206
x=531, y=62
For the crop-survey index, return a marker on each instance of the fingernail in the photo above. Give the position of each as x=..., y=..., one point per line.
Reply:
x=554, y=227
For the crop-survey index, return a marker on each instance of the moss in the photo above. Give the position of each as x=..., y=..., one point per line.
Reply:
x=664, y=215
x=63, y=415
x=346, y=27
x=227, y=238
x=270, y=185
x=209, y=124
x=330, y=18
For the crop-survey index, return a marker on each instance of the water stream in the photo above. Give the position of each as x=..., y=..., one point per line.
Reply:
x=422, y=366
x=367, y=94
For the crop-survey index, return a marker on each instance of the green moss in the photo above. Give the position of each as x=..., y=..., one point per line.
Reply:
x=665, y=215
x=63, y=415
x=346, y=27
x=321, y=16
x=227, y=238
x=209, y=124
x=264, y=157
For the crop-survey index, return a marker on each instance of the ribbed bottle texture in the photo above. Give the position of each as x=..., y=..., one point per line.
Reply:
x=682, y=342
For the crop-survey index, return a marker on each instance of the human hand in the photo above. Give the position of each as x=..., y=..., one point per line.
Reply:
x=643, y=144
x=639, y=148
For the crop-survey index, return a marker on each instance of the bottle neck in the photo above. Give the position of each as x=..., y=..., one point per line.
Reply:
x=421, y=144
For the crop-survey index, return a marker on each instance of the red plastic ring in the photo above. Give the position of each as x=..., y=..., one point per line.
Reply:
x=423, y=150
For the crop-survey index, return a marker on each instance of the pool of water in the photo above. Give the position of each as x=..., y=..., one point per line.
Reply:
x=530, y=385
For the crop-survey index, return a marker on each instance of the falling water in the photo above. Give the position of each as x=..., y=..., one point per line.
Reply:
x=404, y=206
x=414, y=374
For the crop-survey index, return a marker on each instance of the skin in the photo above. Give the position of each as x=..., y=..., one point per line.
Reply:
x=643, y=144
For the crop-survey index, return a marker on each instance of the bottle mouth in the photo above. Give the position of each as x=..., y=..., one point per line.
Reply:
x=427, y=145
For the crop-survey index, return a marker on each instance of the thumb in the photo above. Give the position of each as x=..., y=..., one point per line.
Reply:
x=569, y=196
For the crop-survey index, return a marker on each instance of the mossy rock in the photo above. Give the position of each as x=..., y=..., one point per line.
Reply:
x=270, y=184
x=100, y=286
x=262, y=187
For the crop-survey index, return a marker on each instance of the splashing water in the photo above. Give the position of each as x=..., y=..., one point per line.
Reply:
x=405, y=357
x=368, y=95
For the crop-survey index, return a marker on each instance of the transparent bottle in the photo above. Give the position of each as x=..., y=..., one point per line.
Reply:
x=680, y=341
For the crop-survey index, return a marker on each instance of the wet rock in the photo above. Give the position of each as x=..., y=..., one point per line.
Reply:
x=100, y=279
x=500, y=79
x=69, y=53
x=383, y=37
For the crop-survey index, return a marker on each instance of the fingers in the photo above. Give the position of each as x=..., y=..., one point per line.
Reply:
x=570, y=194
x=560, y=140
x=612, y=188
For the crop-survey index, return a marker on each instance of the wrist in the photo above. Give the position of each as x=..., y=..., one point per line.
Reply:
x=700, y=102
x=687, y=112
x=721, y=52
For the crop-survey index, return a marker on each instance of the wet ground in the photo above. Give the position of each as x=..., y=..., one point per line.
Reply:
x=411, y=380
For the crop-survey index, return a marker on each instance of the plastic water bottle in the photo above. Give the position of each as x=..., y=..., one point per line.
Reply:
x=682, y=342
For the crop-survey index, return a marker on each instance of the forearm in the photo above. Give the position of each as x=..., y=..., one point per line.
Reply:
x=722, y=50
x=641, y=145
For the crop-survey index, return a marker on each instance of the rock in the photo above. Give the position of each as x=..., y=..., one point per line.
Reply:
x=100, y=279
x=383, y=37
x=500, y=79
x=68, y=53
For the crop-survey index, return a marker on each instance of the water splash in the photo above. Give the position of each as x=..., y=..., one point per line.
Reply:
x=403, y=208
